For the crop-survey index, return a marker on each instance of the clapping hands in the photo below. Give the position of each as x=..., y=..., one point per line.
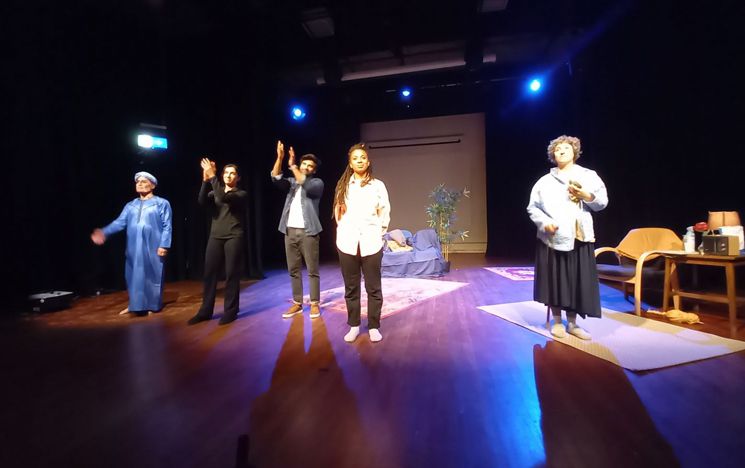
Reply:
x=280, y=150
x=281, y=154
x=209, y=169
x=291, y=161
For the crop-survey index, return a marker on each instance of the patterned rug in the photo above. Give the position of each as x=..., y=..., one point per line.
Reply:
x=398, y=294
x=514, y=273
x=624, y=339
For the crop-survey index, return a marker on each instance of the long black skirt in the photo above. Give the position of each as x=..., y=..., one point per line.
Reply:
x=567, y=280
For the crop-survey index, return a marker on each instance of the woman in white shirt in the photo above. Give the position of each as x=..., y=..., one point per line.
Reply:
x=362, y=213
x=561, y=204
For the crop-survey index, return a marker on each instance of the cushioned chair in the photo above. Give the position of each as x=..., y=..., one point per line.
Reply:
x=635, y=254
x=424, y=258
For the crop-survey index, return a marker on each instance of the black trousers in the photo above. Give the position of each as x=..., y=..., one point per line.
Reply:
x=351, y=266
x=227, y=252
x=299, y=246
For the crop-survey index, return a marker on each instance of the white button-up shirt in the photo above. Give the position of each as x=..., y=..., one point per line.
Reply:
x=366, y=219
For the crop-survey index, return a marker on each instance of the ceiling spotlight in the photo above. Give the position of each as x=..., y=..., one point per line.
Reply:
x=297, y=113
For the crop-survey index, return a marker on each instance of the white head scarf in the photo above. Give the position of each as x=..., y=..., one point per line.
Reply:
x=148, y=176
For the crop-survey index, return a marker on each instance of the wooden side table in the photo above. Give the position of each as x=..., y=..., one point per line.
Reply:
x=672, y=285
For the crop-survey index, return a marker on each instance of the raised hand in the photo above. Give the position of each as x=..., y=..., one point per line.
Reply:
x=208, y=169
x=291, y=161
x=204, y=163
x=280, y=150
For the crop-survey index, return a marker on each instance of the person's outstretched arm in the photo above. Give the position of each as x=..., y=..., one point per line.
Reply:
x=99, y=235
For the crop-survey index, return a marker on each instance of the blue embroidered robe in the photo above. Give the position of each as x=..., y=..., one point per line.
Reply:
x=148, y=225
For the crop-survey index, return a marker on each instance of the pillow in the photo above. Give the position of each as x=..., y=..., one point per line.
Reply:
x=398, y=236
x=392, y=246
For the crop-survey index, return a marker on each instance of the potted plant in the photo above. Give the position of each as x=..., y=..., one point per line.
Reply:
x=442, y=217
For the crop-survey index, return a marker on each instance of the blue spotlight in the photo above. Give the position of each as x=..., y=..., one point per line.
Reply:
x=535, y=85
x=405, y=93
x=298, y=113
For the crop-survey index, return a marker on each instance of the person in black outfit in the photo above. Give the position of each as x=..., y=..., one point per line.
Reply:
x=227, y=203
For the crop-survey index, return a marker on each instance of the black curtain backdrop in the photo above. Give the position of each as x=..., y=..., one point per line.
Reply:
x=649, y=94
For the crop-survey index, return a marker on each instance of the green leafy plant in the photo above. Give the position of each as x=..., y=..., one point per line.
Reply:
x=442, y=217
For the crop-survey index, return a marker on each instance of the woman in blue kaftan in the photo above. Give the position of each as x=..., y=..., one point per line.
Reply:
x=147, y=220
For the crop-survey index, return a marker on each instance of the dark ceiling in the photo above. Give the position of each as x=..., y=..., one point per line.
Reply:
x=395, y=36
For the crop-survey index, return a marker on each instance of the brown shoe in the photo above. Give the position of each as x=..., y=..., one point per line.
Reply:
x=315, y=310
x=293, y=310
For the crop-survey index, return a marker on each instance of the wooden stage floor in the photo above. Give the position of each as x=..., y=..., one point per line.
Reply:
x=449, y=386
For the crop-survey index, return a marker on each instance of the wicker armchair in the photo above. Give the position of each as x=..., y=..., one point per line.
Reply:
x=634, y=254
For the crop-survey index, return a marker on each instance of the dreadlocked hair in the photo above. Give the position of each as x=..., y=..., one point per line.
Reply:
x=340, y=194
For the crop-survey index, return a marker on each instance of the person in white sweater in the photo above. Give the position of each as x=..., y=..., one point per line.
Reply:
x=561, y=206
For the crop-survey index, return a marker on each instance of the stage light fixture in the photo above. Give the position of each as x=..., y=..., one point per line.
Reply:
x=146, y=141
x=297, y=113
x=535, y=85
x=152, y=137
x=405, y=93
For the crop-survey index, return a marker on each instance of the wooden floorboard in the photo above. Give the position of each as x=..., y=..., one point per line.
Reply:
x=448, y=386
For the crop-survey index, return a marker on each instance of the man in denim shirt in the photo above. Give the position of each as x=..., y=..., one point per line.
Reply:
x=300, y=225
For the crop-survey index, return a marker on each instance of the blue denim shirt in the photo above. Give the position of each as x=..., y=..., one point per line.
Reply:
x=310, y=195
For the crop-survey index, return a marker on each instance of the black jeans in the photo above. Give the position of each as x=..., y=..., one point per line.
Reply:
x=351, y=265
x=228, y=252
x=299, y=246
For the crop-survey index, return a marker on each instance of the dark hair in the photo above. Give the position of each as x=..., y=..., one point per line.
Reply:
x=572, y=141
x=312, y=157
x=237, y=171
x=340, y=194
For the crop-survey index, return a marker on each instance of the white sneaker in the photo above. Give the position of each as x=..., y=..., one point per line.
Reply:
x=579, y=332
x=375, y=335
x=352, y=334
x=558, y=330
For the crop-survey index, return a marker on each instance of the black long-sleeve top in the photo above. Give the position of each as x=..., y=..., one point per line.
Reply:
x=228, y=209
